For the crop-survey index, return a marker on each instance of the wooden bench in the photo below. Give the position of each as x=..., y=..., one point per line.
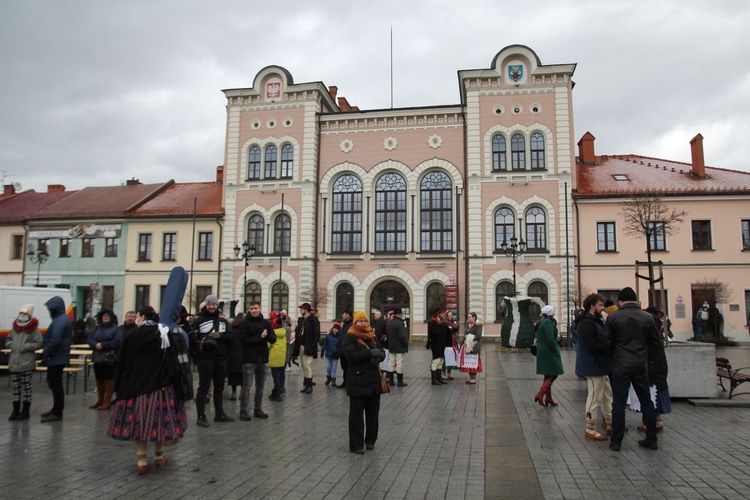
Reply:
x=724, y=370
x=69, y=371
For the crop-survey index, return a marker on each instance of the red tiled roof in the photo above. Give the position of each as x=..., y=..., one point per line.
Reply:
x=655, y=176
x=101, y=201
x=21, y=206
x=177, y=199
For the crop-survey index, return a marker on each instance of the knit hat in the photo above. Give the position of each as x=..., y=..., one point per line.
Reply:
x=627, y=294
x=358, y=315
x=212, y=299
x=337, y=326
x=548, y=311
x=27, y=309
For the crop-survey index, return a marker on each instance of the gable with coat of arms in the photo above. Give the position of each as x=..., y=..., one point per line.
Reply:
x=515, y=72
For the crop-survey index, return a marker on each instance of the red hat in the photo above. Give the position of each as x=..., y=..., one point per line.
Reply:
x=337, y=325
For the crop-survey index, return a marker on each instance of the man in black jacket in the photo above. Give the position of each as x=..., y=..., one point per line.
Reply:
x=398, y=345
x=255, y=334
x=308, y=334
x=209, y=339
x=631, y=336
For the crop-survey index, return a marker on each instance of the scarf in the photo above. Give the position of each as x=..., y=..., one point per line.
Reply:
x=27, y=327
x=364, y=333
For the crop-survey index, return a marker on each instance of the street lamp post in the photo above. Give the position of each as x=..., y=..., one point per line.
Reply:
x=39, y=257
x=245, y=253
x=515, y=249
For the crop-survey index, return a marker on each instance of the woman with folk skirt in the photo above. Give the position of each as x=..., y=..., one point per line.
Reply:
x=548, y=360
x=23, y=340
x=146, y=409
x=473, y=345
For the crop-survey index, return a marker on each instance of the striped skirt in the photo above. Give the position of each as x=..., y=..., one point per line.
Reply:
x=155, y=416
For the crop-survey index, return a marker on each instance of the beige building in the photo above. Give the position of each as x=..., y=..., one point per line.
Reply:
x=707, y=259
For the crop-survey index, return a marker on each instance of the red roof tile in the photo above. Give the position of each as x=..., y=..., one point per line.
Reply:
x=177, y=199
x=655, y=176
x=101, y=201
x=19, y=207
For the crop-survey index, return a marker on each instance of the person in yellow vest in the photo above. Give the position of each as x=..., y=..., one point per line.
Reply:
x=277, y=356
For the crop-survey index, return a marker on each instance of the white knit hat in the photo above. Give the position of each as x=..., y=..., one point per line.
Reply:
x=548, y=311
x=27, y=309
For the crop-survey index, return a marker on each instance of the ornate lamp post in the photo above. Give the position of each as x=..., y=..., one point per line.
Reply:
x=245, y=253
x=39, y=257
x=515, y=249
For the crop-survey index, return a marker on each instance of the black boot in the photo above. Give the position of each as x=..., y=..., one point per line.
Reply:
x=275, y=395
x=401, y=382
x=308, y=389
x=16, y=408
x=305, y=388
x=433, y=373
x=390, y=379
x=24, y=415
x=328, y=380
x=439, y=375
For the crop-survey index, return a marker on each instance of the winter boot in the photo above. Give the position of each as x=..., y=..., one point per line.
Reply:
x=390, y=379
x=109, y=388
x=401, y=382
x=440, y=377
x=328, y=380
x=333, y=382
x=16, y=408
x=99, y=395
x=539, y=398
x=202, y=421
x=24, y=415
x=591, y=432
x=548, y=396
x=304, y=389
x=433, y=373
x=308, y=389
x=275, y=395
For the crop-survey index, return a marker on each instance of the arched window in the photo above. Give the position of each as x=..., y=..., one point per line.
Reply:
x=255, y=227
x=270, y=162
x=537, y=289
x=346, y=226
x=253, y=163
x=436, y=212
x=434, y=298
x=287, y=161
x=252, y=293
x=537, y=151
x=505, y=227
x=536, y=229
x=282, y=240
x=279, y=296
x=498, y=153
x=344, y=299
x=518, y=152
x=503, y=289
x=390, y=213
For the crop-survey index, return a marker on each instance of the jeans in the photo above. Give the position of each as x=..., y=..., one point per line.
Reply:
x=279, y=378
x=210, y=371
x=252, y=371
x=363, y=421
x=332, y=365
x=620, y=388
x=55, y=383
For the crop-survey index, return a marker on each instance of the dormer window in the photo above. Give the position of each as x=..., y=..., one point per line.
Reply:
x=620, y=177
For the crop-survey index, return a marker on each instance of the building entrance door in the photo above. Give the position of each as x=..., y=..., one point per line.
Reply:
x=390, y=294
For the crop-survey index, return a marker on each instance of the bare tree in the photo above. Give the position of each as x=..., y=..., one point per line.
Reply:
x=647, y=216
x=708, y=289
x=316, y=296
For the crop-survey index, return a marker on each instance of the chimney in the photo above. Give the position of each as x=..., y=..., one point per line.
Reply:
x=586, y=149
x=220, y=174
x=132, y=182
x=9, y=189
x=55, y=188
x=344, y=104
x=696, y=152
x=333, y=90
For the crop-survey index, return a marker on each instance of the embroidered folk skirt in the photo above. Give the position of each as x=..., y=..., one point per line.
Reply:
x=155, y=416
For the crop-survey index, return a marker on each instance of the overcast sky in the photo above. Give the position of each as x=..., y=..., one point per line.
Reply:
x=96, y=92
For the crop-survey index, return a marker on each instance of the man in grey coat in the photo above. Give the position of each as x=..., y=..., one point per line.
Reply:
x=398, y=345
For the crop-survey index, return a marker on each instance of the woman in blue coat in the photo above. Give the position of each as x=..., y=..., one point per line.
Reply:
x=105, y=344
x=548, y=360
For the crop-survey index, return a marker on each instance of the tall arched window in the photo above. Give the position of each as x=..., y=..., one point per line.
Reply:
x=537, y=289
x=344, y=299
x=390, y=213
x=255, y=227
x=282, y=240
x=434, y=298
x=505, y=227
x=536, y=229
x=436, y=212
x=252, y=293
x=271, y=159
x=518, y=152
x=287, y=161
x=503, y=289
x=253, y=163
x=498, y=153
x=537, y=151
x=346, y=226
x=279, y=296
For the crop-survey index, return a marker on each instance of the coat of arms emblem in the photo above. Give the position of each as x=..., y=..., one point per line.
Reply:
x=515, y=72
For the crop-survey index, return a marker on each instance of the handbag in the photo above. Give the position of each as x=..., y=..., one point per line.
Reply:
x=383, y=383
x=107, y=358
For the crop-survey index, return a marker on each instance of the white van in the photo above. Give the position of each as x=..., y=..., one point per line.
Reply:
x=12, y=298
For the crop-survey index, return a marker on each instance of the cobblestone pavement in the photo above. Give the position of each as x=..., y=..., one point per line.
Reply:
x=455, y=441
